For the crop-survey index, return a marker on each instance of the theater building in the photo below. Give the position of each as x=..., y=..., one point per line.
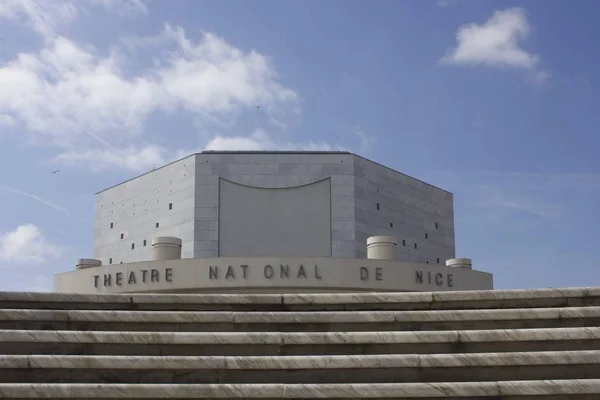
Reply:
x=272, y=222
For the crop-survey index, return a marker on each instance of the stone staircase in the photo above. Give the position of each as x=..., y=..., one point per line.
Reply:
x=534, y=344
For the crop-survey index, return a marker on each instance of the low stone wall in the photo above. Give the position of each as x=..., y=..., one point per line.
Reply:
x=514, y=344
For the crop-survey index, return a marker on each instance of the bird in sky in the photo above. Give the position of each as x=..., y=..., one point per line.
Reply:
x=56, y=171
x=258, y=106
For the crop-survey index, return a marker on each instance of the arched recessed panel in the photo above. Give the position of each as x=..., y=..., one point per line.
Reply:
x=275, y=222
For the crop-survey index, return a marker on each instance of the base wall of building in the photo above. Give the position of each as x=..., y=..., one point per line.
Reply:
x=272, y=274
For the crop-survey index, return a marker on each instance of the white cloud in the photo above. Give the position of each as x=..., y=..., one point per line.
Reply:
x=74, y=97
x=65, y=90
x=26, y=244
x=495, y=43
x=93, y=107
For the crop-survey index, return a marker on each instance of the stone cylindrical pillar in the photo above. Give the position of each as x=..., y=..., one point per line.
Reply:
x=381, y=248
x=464, y=263
x=166, y=248
x=83, y=263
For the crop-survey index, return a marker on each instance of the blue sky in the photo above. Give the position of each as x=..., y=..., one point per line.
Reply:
x=495, y=101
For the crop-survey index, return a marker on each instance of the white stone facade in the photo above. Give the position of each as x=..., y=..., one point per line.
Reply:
x=183, y=199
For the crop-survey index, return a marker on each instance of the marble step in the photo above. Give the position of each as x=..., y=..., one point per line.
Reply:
x=296, y=343
x=518, y=390
x=380, y=368
x=290, y=321
x=564, y=297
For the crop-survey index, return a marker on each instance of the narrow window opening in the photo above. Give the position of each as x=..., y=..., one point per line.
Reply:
x=112, y=225
x=144, y=242
x=122, y=235
x=157, y=224
x=132, y=246
x=391, y=224
x=110, y=260
x=403, y=242
x=438, y=260
x=170, y=206
x=426, y=236
x=436, y=225
x=415, y=245
x=378, y=206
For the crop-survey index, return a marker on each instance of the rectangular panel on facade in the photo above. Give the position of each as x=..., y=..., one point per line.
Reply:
x=275, y=222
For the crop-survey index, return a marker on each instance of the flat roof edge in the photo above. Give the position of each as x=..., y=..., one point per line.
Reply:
x=274, y=152
x=145, y=173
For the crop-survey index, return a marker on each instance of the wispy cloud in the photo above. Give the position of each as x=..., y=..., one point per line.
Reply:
x=366, y=141
x=45, y=16
x=65, y=234
x=142, y=157
x=548, y=195
x=261, y=140
x=493, y=196
x=123, y=7
x=42, y=16
x=348, y=82
x=543, y=183
x=6, y=120
x=544, y=175
x=136, y=158
x=448, y=3
x=39, y=199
